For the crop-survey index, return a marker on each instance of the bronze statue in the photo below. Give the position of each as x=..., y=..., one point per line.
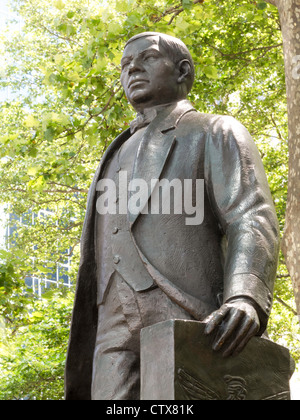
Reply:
x=144, y=267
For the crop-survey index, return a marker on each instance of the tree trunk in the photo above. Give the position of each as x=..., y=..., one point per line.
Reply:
x=289, y=12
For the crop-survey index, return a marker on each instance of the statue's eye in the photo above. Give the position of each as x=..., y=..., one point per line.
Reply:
x=150, y=56
x=125, y=65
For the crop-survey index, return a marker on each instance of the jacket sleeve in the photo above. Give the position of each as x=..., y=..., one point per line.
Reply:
x=240, y=197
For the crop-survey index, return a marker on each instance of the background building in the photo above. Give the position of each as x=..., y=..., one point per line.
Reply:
x=56, y=277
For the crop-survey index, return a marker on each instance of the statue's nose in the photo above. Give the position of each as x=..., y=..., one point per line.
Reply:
x=135, y=66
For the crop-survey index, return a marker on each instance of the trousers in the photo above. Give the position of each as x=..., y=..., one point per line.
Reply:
x=116, y=364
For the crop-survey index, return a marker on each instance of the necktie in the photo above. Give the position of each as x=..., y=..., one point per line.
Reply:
x=143, y=119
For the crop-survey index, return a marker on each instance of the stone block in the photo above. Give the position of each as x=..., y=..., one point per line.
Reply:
x=178, y=363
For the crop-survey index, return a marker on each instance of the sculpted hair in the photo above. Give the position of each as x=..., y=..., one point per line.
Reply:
x=176, y=50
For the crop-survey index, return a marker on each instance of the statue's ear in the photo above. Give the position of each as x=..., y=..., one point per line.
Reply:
x=185, y=70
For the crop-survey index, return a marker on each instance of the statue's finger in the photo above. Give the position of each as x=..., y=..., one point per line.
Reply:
x=252, y=332
x=215, y=319
x=247, y=331
x=228, y=328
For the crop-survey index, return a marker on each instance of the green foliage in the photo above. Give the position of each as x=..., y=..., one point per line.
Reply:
x=33, y=359
x=13, y=294
x=68, y=105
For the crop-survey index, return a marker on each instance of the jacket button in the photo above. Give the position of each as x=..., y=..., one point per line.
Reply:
x=116, y=259
x=115, y=230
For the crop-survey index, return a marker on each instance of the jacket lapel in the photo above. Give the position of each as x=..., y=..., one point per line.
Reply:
x=87, y=239
x=155, y=149
x=149, y=163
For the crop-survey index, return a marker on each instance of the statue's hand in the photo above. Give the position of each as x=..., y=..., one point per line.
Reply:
x=237, y=321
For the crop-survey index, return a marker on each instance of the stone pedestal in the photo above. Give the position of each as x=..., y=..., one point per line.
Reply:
x=178, y=363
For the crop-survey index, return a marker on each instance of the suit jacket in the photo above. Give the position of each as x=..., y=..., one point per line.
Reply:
x=187, y=261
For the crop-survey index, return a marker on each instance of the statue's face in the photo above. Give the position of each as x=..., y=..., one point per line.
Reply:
x=149, y=76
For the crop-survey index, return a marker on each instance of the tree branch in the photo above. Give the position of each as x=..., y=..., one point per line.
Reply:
x=64, y=38
x=239, y=54
x=75, y=189
x=277, y=128
x=175, y=11
x=286, y=305
x=92, y=116
x=69, y=190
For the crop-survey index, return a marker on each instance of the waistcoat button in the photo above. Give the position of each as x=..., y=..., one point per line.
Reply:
x=116, y=259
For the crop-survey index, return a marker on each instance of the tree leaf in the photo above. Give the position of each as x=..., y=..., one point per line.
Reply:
x=262, y=5
x=211, y=72
x=33, y=171
x=59, y=4
x=31, y=122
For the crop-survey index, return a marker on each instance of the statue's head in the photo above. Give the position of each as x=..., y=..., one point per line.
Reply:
x=156, y=69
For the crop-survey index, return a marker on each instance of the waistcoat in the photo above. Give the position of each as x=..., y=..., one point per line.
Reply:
x=115, y=250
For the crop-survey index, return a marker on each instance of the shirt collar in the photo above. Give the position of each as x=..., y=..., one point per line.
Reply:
x=145, y=118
